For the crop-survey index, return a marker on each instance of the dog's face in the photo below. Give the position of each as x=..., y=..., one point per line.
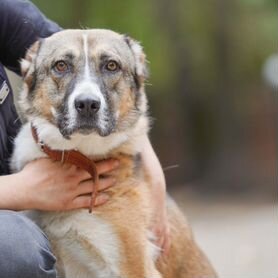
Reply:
x=85, y=81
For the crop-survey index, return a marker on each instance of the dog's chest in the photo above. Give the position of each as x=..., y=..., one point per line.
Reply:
x=89, y=245
x=85, y=244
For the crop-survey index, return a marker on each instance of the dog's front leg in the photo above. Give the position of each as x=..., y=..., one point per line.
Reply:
x=137, y=258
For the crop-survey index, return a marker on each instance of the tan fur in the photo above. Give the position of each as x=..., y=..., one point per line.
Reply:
x=43, y=103
x=127, y=102
x=133, y=215
x=28, y=64
x=130, y=209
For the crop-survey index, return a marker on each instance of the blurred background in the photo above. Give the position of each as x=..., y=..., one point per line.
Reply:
x=213, y=96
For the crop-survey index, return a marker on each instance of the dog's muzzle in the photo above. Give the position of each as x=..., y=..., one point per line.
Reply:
x=87, y=106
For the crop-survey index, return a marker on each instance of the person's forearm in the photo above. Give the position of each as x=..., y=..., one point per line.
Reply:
x=159, y=226
x=10, y=197
x=21, y=24
x=156, y=174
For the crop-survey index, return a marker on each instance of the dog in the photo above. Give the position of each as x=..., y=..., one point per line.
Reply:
x=84, y=90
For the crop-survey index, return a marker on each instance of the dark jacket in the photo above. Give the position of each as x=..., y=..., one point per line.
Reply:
x=21, y=24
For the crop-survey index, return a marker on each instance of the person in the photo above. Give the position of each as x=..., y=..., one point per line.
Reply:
x=25, y=250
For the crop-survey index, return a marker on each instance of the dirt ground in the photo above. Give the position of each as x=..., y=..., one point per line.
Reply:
x=239, y=235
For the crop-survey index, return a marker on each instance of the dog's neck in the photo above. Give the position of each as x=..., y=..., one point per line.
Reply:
x=93, y=145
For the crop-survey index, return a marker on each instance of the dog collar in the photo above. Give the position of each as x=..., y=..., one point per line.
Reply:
x=72, y=157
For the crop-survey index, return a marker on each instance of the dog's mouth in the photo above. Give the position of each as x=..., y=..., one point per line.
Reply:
x=102, y=129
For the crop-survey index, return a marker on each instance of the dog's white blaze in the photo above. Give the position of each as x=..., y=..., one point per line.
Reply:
x=86, y=86
x=85, y=47
x=72, y=111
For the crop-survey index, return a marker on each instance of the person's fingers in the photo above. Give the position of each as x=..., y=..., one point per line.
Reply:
x=105, y=183
x=166, y=245
x=160, y=240
x=105, y=166
x=165, y=242
x=81, y=202
x=83, y=175
x=101, y=199
x=86, y=187
x=84, y=201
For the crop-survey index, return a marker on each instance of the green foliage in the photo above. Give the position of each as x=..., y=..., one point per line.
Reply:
x=250, y=27
x=205, y=60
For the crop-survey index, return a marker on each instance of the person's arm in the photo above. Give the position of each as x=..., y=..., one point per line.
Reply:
x=21, y=24
x=154, y=169
x=51, y=186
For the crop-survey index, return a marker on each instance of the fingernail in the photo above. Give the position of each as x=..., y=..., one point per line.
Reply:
x=102, y=198
x=116, y=163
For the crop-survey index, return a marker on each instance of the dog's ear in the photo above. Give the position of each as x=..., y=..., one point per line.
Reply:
x=28, y=64
x=141, y=70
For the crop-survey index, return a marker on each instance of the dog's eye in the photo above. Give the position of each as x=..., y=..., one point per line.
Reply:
x=61, y=66
x=112, y=66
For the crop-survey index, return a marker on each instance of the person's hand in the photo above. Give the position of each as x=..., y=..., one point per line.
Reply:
x=52, y=186
x=161, y=231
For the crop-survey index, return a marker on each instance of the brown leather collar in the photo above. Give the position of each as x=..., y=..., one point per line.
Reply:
x=72, y=157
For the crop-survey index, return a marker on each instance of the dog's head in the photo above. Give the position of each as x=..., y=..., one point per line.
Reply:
x=85, y=81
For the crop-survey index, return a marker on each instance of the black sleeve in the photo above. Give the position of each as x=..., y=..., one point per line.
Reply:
x=21, y=24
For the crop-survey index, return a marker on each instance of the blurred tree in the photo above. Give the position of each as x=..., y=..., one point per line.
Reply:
x=207, y=94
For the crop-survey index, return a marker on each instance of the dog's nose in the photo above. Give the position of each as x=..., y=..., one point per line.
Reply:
x=87, y=105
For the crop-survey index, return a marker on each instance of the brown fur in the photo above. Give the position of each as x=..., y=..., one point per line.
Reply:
x=130, y=208
x=127, y=102
x=43, y=103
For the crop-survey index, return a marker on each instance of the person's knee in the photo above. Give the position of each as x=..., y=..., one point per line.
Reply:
x=25, y=250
